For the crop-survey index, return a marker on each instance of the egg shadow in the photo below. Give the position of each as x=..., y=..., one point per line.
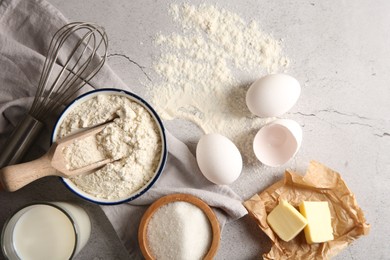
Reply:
x=244, y=143
x=237, y=96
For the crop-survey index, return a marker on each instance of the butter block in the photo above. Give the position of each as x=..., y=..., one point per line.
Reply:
x=286, y=221
x=319, y=225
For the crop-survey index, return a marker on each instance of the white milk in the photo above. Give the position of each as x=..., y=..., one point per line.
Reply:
x=43, y=231
x=81, y=220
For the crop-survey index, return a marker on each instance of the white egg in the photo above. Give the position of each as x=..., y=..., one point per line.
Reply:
x=218, y=159
x=273, y=95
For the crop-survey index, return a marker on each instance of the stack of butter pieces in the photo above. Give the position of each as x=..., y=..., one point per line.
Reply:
x=313, y=217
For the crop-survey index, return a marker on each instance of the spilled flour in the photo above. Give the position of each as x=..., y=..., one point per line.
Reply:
x=201, y=70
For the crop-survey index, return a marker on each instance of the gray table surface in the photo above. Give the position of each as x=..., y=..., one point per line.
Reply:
x=340, y=51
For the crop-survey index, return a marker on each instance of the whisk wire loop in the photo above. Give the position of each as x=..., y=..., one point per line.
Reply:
x=76, y=54
x=82, y=63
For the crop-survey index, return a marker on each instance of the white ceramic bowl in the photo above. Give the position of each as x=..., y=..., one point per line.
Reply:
x=140, y=101
x=277, y=142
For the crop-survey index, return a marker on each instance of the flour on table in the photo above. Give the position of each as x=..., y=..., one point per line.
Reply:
x=205, y=70
x=132, y=139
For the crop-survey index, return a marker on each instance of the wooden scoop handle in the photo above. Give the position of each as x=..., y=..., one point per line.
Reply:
x=14, y=177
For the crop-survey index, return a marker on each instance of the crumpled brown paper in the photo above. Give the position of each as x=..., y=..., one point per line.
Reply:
x=319, y=184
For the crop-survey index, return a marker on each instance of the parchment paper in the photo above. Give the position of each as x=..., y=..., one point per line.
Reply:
x=319, y=184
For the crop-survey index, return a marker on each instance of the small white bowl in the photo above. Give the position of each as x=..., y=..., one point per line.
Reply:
x=277, y=142
x=163, y=157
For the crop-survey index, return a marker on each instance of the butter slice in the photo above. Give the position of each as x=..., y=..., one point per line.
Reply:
x=286, y=221
x=319, y=226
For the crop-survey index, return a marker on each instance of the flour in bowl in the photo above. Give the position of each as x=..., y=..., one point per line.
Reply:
x=133, y=140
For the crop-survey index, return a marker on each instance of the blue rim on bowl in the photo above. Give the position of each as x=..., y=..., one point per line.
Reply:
x=86, y=96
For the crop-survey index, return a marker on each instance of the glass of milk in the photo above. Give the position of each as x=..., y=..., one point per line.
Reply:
x=48, y=230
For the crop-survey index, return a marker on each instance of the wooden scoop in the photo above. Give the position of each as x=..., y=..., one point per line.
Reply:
x=53, y=162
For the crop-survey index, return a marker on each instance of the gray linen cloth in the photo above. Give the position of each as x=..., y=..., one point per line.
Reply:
x=26, y=28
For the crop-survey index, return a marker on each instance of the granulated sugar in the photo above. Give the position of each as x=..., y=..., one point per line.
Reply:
x=179, y=230
x=201, y=70
x=133, y=140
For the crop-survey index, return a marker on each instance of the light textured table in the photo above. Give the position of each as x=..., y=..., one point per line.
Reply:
x=340, y=51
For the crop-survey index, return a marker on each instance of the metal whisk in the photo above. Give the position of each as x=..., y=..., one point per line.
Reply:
x=80, y=50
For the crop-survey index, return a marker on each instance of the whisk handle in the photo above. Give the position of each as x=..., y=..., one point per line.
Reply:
x=20, y=140
x=16, y=176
